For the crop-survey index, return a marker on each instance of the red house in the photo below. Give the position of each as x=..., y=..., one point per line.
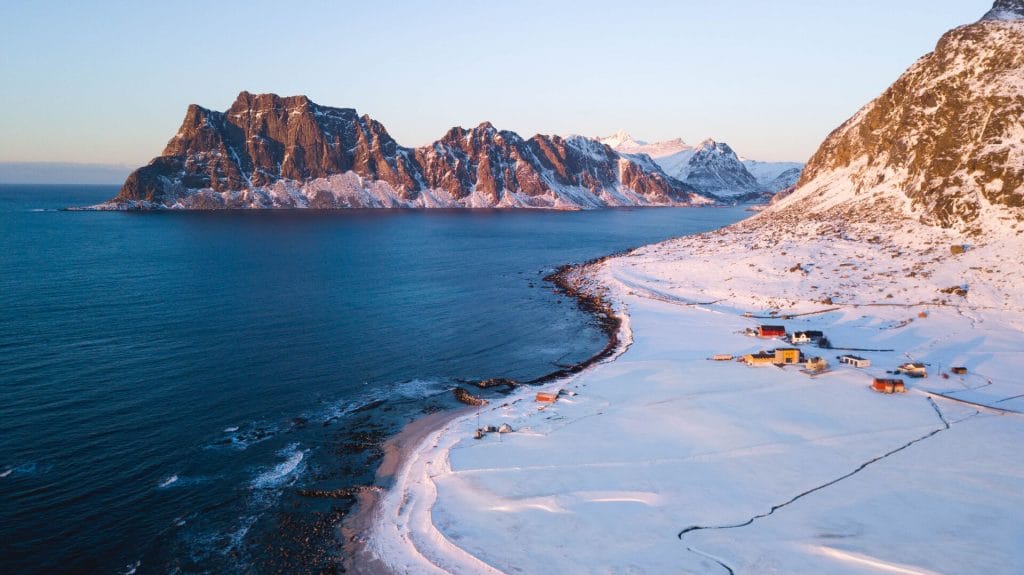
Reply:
x=888, y=386
x=547, y=396
x=771, y=331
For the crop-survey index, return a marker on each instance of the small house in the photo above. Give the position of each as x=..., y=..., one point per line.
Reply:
x=547, y=396
x=771, y=331
x=913, y=369
x=787, y=355
x=957, y=249
x=855, y=361
x=782, y=356
x=959, y=370
x=810, y=336
x=816, y=364
x=759, y=358
x=799, y=337
x=888, y=386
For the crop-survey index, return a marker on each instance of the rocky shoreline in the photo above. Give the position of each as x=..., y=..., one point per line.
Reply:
x=573, y=280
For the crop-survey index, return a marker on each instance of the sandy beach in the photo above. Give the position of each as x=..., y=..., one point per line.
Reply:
x=659, y=460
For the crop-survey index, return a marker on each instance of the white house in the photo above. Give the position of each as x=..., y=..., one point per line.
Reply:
x=855, y=361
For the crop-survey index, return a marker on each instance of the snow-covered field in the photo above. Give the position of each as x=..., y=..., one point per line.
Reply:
x=661, y=461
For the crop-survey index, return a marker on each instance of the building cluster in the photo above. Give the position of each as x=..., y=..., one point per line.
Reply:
x=783, y=356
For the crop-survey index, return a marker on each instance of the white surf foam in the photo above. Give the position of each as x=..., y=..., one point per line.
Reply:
x=282, y=472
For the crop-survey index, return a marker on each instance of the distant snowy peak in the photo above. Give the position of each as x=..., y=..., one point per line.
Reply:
x=943, y=145
x=1006, y=10
x=774, y=176
x=621, y=141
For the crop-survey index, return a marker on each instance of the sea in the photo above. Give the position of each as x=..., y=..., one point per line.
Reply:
x=198, y=392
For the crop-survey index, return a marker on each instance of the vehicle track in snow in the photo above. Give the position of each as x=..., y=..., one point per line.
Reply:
x=774, y=508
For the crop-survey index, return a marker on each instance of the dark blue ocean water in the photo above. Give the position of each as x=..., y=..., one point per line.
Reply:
x=171, y=384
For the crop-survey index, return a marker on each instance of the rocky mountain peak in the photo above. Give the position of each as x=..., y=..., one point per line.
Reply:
x=1006, y=10
x=942, y=145
x=711, y=146
x=714, y=166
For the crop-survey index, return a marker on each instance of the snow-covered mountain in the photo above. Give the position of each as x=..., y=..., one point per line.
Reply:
x=621, y=141
x=944, y=145
x=715, y=168
x=774, y=176
x=712, y=167
x=272, y=152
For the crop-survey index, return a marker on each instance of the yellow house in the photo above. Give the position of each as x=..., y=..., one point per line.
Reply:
x=781, y=356
x=760, y=358
x=787, y=355
x=816, y=364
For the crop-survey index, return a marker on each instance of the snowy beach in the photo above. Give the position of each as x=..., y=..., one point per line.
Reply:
x=660, y=460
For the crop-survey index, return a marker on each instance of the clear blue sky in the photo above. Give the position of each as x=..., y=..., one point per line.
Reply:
x=108, y=82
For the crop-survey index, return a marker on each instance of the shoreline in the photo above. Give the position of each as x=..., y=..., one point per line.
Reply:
x=574, y=280
x=352, y=530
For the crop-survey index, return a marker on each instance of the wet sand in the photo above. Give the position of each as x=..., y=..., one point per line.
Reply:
x=352, y=531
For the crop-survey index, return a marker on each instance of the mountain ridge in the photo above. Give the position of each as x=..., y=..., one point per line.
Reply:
x=269, y=151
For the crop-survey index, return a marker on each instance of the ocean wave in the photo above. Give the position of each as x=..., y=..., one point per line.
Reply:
x=29, y=468
x=175, y=481
x=283, y=472
x=421, y=388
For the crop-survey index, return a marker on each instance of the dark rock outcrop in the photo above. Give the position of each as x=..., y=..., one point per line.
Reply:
x=463, y=396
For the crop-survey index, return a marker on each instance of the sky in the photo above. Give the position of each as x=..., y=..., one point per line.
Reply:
x=108, y=82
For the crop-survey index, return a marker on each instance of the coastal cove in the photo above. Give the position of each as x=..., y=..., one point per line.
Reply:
x=662, y=460
x=199, y=391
